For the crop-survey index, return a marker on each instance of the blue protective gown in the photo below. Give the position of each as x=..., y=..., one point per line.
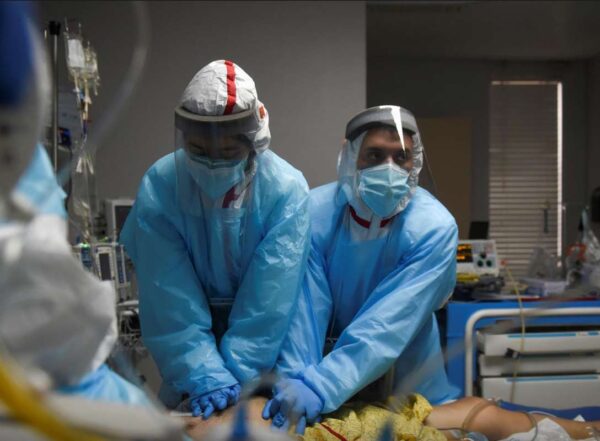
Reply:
x=39, y=185
x=381, y=293
x=104, y=384
x=182, y=270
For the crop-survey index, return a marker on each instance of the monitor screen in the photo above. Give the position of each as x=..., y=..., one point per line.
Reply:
x=104, y=260
x=464, y=253
x=121, y=213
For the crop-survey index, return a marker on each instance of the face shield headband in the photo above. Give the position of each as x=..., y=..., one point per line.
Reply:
x=243, y=123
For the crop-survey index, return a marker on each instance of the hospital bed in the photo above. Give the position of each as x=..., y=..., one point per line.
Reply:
x=555, y=369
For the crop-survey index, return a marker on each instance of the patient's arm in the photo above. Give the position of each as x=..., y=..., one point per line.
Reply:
x=494, y=422
x=197, y=427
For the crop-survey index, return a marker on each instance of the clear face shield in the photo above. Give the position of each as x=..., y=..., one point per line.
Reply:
x=378, y=170
x=213, y=153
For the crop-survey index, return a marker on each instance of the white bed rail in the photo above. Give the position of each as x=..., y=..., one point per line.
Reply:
x=511, y=312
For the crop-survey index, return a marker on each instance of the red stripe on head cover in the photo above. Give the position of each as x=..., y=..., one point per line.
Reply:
x=231, y=92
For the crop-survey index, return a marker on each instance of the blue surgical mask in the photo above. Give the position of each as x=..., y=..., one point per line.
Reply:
x=216, y=177
x=382, y=188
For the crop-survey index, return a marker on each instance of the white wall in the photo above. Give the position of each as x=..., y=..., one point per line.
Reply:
x=460, y=88
x=308, y=60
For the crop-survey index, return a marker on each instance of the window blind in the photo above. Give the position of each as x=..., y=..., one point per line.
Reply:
x=525, y=170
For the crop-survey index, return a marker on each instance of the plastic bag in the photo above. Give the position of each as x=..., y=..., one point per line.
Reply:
x=543, y=265
x=592, y=252
x=590, y=241
x=547, y=430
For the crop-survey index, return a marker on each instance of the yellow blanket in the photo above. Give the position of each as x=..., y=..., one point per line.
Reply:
x=364, y=422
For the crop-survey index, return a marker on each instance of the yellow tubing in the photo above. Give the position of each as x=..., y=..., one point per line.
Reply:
x=25, y=405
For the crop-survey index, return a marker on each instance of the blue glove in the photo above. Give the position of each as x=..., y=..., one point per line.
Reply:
x=219, y=399
x=293, y=403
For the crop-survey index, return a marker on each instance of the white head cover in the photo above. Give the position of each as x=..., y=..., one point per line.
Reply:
x=223, y=88
x=54, y=315
x=392, y=116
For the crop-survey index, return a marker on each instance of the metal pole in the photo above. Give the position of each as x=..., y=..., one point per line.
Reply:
x=54, y=28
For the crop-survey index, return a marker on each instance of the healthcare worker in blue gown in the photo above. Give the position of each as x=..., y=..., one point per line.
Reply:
x=54, y=315
x=219, y=238
x=92, y=379
x=39, y=187
x=80, y=369
x=382, y=260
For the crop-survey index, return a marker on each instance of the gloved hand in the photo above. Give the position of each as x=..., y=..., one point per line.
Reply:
x=293, y=403
x=219, y=399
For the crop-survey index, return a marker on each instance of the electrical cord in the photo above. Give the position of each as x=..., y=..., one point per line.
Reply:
x=473, y=413
x=517, y=363
x=464, y=430
x=534, y=424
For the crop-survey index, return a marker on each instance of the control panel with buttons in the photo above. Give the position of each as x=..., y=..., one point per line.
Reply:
x=477, y=257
